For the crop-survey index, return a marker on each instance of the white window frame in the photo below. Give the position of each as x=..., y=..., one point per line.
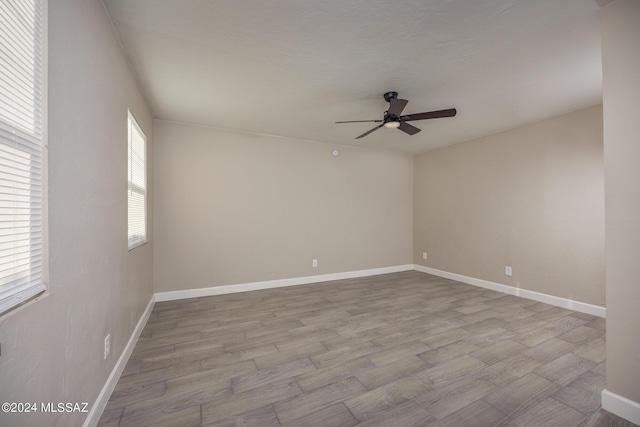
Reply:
x=133, y=241
x=24, y=131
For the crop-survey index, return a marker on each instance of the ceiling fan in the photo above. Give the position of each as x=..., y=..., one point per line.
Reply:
x=393, y=120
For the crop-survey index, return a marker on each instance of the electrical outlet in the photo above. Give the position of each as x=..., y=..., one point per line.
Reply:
x=507, y=271
x=424, y=255
x=107, y=346
x=314, y=263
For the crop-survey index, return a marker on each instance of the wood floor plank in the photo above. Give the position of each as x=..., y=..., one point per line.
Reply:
x=451, y=371
x=261, y=417
x=381, y=399
x=583, y=393
x=265, y=337
x=552, y=314
x=444, y=338
x=211, y=377
x=181, y=330
x=498, y=351
x=399, y=335
x=343, y=354
x=598, y=323
x=411, y=413
x=548, y=413
x=288, y=343
x=380, y=375
x=135, y=393
x=519, y=324
x=212, y=344
x=334, y=415
x=397, y=352
x=315, y=400
x=535, y=336
x=230, y=357
x=581, y=335
x=365, y=338
x=479, y=316
x=491, y=337
x=521, y=394
x=603, y=418
x=249, y=400
x=358, y=326
x=176, y=399
x=141, y=351
x=564, y=324
x=157, y=344
x=175, y=358
x=600, y=368
x=111, y=416
x=159, y=374
x=592, y=350
x=328, y=325
x=509, y=370
x=447, y=352
x=330, y=374
x=132, y=367
x=549, y=350
x=445, y=401
x=189, y=417
x=469, y=309
x=294, y=353
x=275, y=373
x=478, y=414
x=565, y=369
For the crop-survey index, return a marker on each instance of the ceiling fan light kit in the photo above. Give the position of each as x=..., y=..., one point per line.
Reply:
x=393, y=119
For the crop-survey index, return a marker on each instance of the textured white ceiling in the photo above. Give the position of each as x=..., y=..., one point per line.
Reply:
x=294, y=67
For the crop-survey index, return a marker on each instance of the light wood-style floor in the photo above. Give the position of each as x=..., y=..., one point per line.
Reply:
x=402, y=349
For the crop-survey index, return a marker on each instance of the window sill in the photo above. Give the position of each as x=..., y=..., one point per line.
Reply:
x=137, y=244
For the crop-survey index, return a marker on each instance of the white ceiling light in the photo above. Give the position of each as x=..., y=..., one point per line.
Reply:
x=392, y=125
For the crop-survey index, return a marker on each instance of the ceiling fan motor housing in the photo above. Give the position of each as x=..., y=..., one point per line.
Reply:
x=390, y=95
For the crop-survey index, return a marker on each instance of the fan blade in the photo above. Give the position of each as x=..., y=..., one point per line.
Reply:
x=368, y=132
x=362, y=121
x=396, y=106
x=407, y=128
x=430, y=115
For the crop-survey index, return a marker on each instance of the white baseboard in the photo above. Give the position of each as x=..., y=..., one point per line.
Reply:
x=254, y=286
x=582, y=307
x=269, y=284
x=103, y=398
x=621, y=406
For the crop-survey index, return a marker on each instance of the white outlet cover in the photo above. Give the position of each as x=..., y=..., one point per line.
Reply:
x=314, y=263
x=507, y=271
x=424, y=255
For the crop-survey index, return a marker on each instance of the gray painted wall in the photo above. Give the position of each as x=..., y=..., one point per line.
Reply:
x=621, y=100
x=531, y=198
x=235, y=207
x=52, y=349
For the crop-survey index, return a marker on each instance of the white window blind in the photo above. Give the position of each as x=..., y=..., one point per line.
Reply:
x=137, y=191
x=22, y=24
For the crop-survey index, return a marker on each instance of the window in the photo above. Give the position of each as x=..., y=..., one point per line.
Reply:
x=137, y=191
x=22, y=134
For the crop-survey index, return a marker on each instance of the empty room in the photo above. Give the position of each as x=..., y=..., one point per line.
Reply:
x=320, y=213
